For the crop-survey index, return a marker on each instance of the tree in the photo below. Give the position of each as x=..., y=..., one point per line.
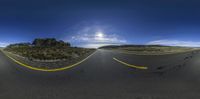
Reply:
x=50, y=42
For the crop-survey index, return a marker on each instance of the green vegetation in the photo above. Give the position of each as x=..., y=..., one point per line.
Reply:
x=47, y=49
x=50, y=42
x=148, y=49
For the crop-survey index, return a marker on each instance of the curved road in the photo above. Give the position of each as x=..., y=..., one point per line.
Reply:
x=101, y=77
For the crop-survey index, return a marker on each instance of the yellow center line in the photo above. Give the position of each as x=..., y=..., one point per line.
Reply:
x=129, y=65
x=48, y=70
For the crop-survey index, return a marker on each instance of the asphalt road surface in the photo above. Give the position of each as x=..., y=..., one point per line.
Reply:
x=101, y=77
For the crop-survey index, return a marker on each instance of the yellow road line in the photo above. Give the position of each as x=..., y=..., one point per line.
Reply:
x=129, y=65
x=48, y=70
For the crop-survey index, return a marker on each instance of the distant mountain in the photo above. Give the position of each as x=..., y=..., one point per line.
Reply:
x=120, y=46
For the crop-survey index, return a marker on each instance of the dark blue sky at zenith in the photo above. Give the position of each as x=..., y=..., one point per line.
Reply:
x=93, y=23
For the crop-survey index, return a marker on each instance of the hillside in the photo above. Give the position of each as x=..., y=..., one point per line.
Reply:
x=47, y=49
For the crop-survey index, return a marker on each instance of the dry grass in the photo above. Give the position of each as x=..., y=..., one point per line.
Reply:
x=159, y=50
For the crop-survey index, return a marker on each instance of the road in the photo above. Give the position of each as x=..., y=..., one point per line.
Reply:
x=101, y=77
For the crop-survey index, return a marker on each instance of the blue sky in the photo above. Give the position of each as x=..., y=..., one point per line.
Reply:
x=93, y=23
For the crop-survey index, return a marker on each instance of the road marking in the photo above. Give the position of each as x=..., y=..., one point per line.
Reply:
x=48, y=70
x=129, y=65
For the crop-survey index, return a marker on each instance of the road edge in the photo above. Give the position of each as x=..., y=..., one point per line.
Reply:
x=48, y=70
x=129, y=65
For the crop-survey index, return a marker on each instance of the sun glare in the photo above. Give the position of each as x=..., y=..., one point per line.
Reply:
x=99, y=35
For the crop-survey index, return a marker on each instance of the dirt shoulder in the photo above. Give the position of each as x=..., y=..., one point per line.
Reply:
x=51, y=63
x=153, y=50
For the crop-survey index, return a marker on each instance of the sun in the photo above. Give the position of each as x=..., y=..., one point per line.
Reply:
x=99, y=35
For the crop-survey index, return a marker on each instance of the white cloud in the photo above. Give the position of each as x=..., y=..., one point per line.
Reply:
x=92, y=40
x=2, y=44
x=95, y=45
x=176, y=43
x=95, y=36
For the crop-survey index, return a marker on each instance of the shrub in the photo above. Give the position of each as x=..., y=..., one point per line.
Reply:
x=45, y=49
